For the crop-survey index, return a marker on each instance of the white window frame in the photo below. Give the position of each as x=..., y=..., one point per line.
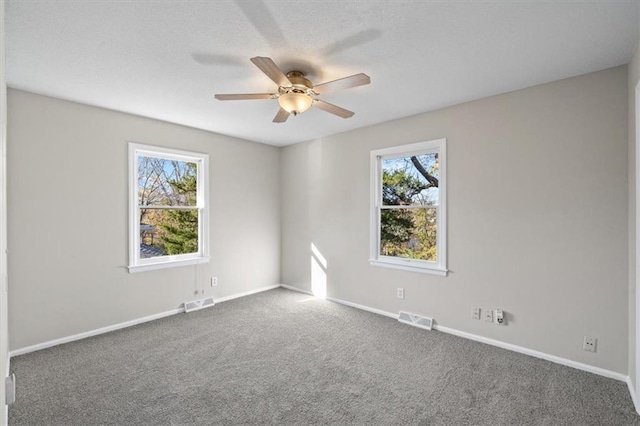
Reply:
x=439, y=267
x=138, y=264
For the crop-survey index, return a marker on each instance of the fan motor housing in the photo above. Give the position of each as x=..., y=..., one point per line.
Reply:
x=298, y=80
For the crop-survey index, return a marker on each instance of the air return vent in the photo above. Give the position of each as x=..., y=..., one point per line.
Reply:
x=198, y=304
x=416, y=320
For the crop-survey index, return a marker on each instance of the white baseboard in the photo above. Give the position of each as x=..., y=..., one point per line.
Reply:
x=515, y=348
x=634, y=395
x=121, y=325
x=299, y=290
x=537, y=354
x=343, y=302
x=91, y=333
x=364, y=308
x=245, y=293
x=493, y=342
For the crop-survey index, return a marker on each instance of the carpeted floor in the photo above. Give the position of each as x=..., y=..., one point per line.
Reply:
x=284, y=358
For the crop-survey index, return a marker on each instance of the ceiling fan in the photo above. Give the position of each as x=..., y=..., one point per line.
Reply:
x=296, y=94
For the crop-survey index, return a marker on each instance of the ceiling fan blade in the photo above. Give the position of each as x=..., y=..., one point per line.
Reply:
x=216, y=59
x=245, y=96
x=272, y=71
x=360, y=38
x=281, y=116
x=343, y=83
x=263, y=21
x=333, y=109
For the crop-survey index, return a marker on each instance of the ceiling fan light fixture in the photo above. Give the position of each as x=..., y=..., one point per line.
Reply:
x=295, y=103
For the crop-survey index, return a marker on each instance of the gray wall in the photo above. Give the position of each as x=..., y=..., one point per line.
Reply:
x=633, y=79
x=67, y=178
x=538, y=217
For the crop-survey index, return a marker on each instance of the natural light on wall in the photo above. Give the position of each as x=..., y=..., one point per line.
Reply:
x=318, y=273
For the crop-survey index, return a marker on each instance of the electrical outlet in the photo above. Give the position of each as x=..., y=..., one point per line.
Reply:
x=488, y=315
x=214, y=281
x=499, y=316
x=475, y=313
x=400, y=293
x=589, y=343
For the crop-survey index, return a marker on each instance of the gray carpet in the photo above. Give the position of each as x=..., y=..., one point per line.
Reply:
x=285, y=358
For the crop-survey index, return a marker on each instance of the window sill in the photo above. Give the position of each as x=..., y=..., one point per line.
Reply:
x=167, y=264
x=407, y=266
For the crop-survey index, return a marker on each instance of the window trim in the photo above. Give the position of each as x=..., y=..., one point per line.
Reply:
x=137, y=264
x=439, y=267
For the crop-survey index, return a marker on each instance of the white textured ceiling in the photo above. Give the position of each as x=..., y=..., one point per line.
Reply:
x=166, y=59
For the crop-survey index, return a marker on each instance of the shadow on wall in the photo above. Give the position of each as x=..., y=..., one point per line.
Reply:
x=318, y=273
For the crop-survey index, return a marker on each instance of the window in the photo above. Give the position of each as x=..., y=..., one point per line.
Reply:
x=408, y=207
x=168, y=210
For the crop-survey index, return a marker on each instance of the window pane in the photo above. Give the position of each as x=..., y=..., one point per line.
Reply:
x=408, y=233
x=166, y=232
x=164, y=182
x=411, y=180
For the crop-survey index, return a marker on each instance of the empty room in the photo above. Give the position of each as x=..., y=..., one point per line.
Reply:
x=356, y=212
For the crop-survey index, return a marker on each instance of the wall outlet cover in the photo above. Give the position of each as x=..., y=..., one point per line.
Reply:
x=475, y=313
x=589, y=344
x=488, y=315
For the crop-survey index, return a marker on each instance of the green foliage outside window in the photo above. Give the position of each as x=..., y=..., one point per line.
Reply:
x=181, y=227
x=409, y=232
x=169, y=225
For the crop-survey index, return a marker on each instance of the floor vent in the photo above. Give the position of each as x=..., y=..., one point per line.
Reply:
x=416, y=320
x=198, y=304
